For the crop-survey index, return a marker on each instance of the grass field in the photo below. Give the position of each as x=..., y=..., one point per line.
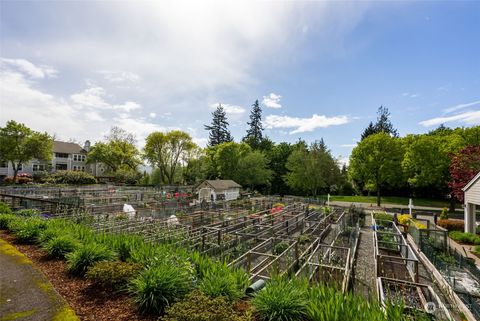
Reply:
x=392, y=200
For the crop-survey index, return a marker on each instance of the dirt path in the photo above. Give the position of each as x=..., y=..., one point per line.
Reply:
x=364, y=268
x=25, y=293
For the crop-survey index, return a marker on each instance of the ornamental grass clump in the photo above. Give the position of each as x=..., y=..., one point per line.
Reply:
x=27, y=230
x=282, y=300
x=60, y=246
x=221, y=281
x=87, y=255
x=113, y=274
x=5, y=209
x=6, y=220
x=160, y=286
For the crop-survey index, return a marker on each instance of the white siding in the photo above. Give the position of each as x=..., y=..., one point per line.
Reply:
x=472, y=195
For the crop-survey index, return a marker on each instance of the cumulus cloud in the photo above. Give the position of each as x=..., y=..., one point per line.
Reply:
x=118, y=76
x=272, y=101
x=152, y=115
x=469, y=117
x=94, y=97
x=28, y=68
x=230, y=109
x=302, y=125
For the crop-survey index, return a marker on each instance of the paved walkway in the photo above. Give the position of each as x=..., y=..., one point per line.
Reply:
x=25, y=293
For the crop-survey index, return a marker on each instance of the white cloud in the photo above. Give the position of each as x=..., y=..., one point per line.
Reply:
x=152, y=115
x=230, y=109
x=94, y=97
x=116, y=76
x=272, y=101
x=410, y=95
x=348, y=145
x=469, y=117
x=461, y=106
x=27, y=67
x=302, y=125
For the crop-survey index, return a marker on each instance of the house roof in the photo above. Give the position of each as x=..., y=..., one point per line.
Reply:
x=67, y=148
x=476, y=178
x=223, y=184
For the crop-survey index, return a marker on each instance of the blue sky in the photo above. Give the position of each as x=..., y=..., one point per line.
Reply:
x=320, y=69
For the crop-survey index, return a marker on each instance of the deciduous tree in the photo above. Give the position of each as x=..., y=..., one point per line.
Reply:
x=465, y=165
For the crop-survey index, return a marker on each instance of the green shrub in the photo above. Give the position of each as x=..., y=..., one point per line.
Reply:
x=160, y=286
x=60, y=246
x=452, y=225
x=86, y=255
x=279, y=248
x=444, y=214
x=6, y=219
x=221, y=281
x=4, y=208
x=467, y=238
x=71, y=178
x=198, y=307
x=48, y=234
x=27, y=230
x=383, y=217
x=114, y=274
x=27, y=212
x=281, y=300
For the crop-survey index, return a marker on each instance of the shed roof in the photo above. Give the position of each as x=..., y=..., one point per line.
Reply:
x=475, y=179
x=223, y=184
x=67, y=148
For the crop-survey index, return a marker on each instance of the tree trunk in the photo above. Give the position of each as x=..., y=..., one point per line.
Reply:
x=15, y=172
x=378, y=196
x=452, y=204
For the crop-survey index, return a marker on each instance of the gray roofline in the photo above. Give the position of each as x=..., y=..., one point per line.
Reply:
x=471, y=182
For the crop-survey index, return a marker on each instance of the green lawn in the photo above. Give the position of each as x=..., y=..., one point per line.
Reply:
x=391, y=200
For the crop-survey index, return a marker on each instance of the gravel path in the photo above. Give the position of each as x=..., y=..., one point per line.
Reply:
x=364, y=267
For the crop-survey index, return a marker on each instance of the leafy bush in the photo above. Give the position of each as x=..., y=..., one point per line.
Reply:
x=27, y=230
x=87, y=255
x=452, y=225
x=383, y=217
x=4, y=208
x=467, y=238
x=127, y=176
x=40, y=177
x=444, y=214
x=114, y=274
x=72, y=178
x=5, y=220
x=159, y=286
x=198, y=307
x=279, y=248
x=60, y=246
x=221, y=281
x=27, y=212
x=281, y=300
x=22, y=178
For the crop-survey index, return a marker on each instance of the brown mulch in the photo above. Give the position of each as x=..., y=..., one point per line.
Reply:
x=89, y=302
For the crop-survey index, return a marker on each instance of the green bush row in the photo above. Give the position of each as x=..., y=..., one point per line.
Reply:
x=467, y=238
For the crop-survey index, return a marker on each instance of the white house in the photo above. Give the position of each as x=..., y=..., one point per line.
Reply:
x=222, y=190
x=472, y=200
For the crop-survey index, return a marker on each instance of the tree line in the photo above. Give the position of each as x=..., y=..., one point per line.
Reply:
x=433, y=165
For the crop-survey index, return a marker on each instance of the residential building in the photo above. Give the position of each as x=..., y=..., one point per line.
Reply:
x=221, y=190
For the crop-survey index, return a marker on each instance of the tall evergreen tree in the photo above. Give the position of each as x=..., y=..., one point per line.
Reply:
x=219, y=132
x=383, y=124
x=254, y=132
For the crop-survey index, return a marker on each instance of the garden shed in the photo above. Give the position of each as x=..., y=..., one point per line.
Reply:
x=221, y=190
x=472, y=200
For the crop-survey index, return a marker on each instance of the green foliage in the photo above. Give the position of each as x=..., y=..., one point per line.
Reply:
x=27, y=212
x=71, y=178
x=279, y=248
x=253, y=170
x=86, y=255
x=218, y=129
x=376, y=162
x=6, y=220
x=282, y=300
x=118, y=151
x=254, y=135
x=114, y=274
x=127, y=176
x=312, y=169
x=4, y=208
x=159, y=286
x=198, y=307
x=19, y=144
x=27, y=230
x=466, y=238
x=60, y=246
x=383, y=217
x=219, y=280
x=444, y=214
x=383, y=124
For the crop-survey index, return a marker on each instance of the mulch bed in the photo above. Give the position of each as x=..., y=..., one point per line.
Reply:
x=89, y=302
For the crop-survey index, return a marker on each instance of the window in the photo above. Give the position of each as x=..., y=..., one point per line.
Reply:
x=61, y=167
x=61, y=155
x=39, y=167
x=79, y=158
x=75, y=158
x=74, y=167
